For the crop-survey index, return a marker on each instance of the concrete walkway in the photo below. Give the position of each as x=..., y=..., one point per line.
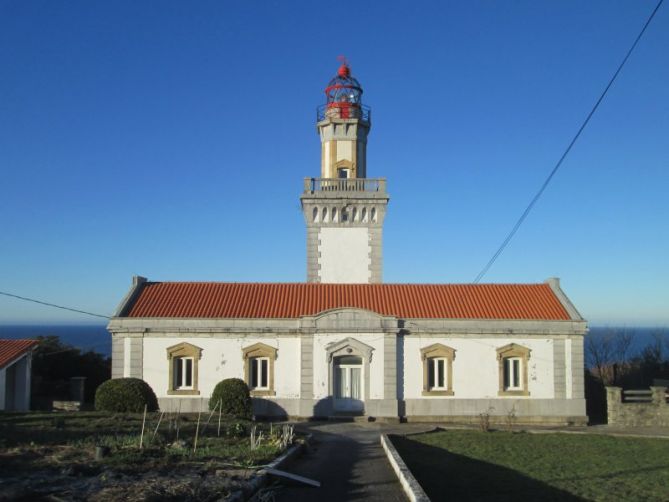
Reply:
x=349, y=461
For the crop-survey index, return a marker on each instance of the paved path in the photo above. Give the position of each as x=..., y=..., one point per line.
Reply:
x=350, y=463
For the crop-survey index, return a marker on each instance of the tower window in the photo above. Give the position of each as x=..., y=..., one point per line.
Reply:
x=343, y=173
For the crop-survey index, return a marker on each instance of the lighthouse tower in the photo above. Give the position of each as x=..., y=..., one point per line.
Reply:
x=343, y=209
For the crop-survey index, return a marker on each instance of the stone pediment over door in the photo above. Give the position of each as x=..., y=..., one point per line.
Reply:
x=349, y=346
x=349, y=320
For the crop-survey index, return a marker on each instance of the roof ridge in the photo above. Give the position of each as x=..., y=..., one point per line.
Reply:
x=317, y=284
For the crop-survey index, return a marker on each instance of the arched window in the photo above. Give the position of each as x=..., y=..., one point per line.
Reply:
x=315, y=214
x=437, y=370
x=183, y=360
x=513, y=361
x=259, y=369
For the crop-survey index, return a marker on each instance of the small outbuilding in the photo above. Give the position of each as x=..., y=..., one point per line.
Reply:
x=15, y=372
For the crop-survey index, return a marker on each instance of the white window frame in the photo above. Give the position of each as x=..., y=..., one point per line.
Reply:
x=258, y=362
x=182, y=360
x=509, y=363
x=434, y=364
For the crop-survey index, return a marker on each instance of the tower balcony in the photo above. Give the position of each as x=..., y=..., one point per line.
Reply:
x=362, y=186
x=344, y=111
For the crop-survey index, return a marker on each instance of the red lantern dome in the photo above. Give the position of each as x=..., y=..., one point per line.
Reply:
x=344, y=95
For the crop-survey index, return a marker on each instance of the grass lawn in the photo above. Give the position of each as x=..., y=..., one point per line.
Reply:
x=474, y=465
x=45, y=453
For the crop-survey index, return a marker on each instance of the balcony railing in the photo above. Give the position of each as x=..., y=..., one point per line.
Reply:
x=345, y=184
x=361, y=112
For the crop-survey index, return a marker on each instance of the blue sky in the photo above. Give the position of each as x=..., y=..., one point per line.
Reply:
x=170, y=139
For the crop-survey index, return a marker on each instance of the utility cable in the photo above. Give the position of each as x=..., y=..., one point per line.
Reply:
x=564, y=155
x=53, y=305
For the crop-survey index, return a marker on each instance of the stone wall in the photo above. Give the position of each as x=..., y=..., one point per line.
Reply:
x=650, y=414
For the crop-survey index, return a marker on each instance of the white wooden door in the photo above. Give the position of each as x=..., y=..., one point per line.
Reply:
x=348, y=387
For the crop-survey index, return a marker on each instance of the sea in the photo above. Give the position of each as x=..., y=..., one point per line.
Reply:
x=86, y=337
x=95, y=337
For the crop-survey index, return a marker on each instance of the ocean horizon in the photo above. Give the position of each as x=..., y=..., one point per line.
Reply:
x=86, y=337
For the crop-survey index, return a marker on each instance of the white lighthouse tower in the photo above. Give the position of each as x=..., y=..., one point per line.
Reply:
x=343, y=209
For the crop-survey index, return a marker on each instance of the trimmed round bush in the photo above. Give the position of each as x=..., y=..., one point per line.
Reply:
x=125, y=395
x=234, y=396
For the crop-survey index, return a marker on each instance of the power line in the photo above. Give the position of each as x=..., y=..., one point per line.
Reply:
x=53, y=305
x=529, y=207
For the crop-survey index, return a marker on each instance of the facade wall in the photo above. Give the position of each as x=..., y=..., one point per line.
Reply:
x=222, y=358
x=344, y=255
x=393, y=377
x=476, y=369
x=344, y=251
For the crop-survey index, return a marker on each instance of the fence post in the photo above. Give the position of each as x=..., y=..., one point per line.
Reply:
x=659, y=396
x=614, y=398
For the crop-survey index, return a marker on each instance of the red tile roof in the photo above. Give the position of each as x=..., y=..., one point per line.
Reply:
x=12, y=349
x=406, y=301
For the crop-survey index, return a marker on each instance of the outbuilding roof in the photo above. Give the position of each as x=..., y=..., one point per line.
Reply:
x=10, y=350
x=294, y=300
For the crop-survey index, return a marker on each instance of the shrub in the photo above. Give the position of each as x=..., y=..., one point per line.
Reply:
x=236, y=430
x=234, y=396
x=125, y=395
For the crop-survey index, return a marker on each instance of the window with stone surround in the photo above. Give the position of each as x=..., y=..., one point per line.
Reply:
x=513, y=362
x=183, y=360
x=437, y=370
x=259, y=369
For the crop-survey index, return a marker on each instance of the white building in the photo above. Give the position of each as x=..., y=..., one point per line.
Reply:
x=344, y=343
x=15, y=373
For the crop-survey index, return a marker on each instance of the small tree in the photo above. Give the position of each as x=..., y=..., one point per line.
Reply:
x=55, y=362
x=125, y=395
x=234, y=396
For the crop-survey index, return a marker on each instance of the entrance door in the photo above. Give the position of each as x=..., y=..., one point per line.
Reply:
x=348, y=384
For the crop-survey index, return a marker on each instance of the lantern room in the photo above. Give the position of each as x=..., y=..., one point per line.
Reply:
x=343, y=97
x=343, y=123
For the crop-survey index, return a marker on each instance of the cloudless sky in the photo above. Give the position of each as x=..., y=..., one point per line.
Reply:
x=170, y=139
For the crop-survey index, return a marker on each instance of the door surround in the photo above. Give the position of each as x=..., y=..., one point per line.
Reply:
x=349, y=347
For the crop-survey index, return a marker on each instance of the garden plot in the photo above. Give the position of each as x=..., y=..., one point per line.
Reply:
x=105, y=456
